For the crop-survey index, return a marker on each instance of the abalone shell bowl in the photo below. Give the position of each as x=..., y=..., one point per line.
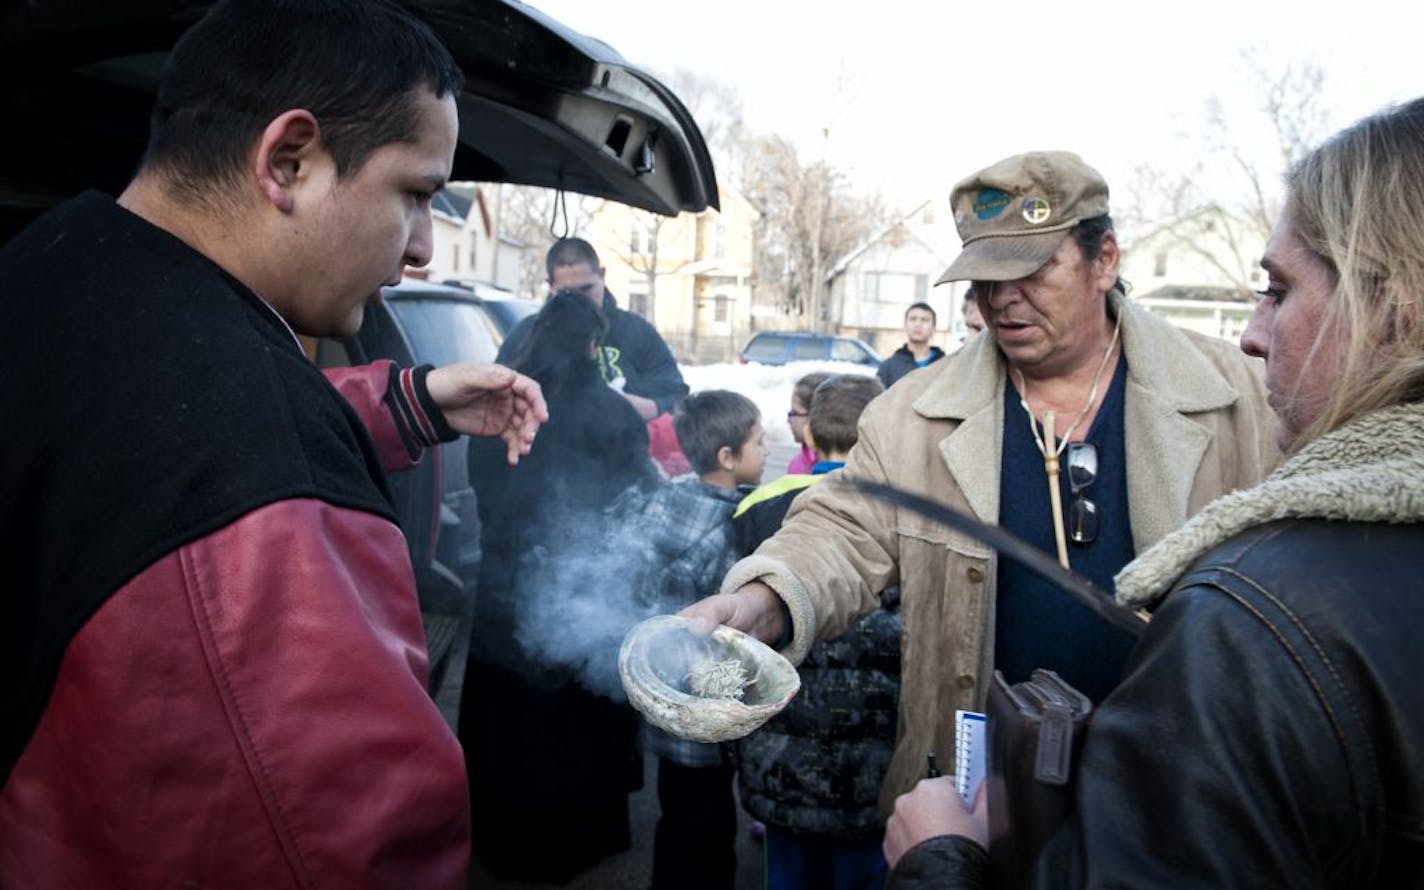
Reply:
x=654, y=663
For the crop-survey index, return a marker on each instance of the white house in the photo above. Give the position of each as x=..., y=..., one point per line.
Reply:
x=1198, y=271
x=467, y=246
x=690, y=275
x=871, y=288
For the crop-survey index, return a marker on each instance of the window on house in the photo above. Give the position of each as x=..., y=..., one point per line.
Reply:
x=894, y=287
x=722, y=310
x=1159, y=264
x=635, y=241
x=474, y=250
x=650, y=241
x=638, y=303
x=454, y=257
x=719, y=240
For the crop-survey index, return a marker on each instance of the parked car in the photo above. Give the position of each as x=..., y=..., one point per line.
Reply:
x=542, y=105
x=505, y=308
x=783, y=347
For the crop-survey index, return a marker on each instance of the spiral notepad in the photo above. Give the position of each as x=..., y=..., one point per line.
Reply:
x=970, y=757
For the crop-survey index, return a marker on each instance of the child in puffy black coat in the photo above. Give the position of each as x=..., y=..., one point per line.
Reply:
x=812, y=774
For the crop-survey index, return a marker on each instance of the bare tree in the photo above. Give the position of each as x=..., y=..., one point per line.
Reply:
x=534, y=218
x=639, y=247
x=717, y=108
x=810, y=218
x=1223, y=208
x=809, y=221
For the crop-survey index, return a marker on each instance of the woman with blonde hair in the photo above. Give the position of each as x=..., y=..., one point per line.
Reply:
x=1270, y=728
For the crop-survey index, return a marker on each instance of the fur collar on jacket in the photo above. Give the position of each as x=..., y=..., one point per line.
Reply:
x=1371, y=470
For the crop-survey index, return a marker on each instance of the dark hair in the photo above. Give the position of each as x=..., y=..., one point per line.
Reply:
x=706, y=421
x=558, y=344
x=356, y=65
x=570, y=252
x=934, y=317
x=807, y=385
x=1089, y=234
x=836, y=406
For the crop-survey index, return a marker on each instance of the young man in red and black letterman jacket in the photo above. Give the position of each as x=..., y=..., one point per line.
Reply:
x=214, y=667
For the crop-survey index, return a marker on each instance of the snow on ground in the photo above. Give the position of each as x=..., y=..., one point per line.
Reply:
x=769, y=386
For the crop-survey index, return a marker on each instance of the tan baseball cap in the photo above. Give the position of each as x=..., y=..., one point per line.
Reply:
x=1012, y=216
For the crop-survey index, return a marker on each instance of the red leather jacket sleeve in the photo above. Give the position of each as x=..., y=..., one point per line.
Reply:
x=249, y=711
x=395, y=407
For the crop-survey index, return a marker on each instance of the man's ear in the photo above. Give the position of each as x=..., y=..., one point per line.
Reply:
x=726, y=458
x=286, y=147
x=1105, y=268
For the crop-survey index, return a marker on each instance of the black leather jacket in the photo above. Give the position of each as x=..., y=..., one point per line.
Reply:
x=1269, y=732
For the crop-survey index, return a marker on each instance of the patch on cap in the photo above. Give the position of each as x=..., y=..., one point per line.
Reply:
x=989, y=203
x=1036, y=211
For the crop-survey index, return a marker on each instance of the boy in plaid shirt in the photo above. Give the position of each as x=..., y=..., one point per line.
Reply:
x=686, y=530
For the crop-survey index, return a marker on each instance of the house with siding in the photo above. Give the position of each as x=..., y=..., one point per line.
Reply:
x=466, y=244
x=870, y=289
x=691, y=275
x=1198, y=271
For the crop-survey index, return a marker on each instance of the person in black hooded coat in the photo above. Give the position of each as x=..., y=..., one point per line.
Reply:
x=546, y=755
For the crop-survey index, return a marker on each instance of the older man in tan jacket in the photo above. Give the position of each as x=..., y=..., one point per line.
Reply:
x=1149, y=423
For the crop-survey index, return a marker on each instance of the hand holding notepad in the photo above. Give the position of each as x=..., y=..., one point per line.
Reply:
x=970, y=757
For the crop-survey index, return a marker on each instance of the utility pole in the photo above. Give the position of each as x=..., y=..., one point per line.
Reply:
x=823, y=200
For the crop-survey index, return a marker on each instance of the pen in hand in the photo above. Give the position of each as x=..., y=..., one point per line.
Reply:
x=933, y=772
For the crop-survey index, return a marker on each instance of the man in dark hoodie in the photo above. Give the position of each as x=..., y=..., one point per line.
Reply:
x=631, y=351
x=917, y=351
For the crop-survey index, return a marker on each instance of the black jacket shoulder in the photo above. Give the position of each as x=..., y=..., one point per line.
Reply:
x=1269, y=721
x=902, y=362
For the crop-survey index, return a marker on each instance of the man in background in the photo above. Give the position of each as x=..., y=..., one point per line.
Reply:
x=633, y=357
x=917, y=351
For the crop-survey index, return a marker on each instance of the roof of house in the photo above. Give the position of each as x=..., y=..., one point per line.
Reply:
x=903, y=223
x=452, y=201
x=1199, y=293
x=1151, y=230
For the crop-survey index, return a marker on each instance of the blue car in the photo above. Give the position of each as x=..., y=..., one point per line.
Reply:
x=784, y=347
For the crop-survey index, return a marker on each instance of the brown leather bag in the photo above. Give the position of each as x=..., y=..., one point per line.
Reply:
x=1036, y=732
x=1036, y=727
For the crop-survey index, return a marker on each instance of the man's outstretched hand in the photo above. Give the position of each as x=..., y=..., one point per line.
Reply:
x=489, y=400
x=754, y=609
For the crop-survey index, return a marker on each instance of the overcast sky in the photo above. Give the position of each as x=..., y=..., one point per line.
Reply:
x=919, y=94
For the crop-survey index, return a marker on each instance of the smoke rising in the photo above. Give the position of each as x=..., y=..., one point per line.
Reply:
x=574, y=598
